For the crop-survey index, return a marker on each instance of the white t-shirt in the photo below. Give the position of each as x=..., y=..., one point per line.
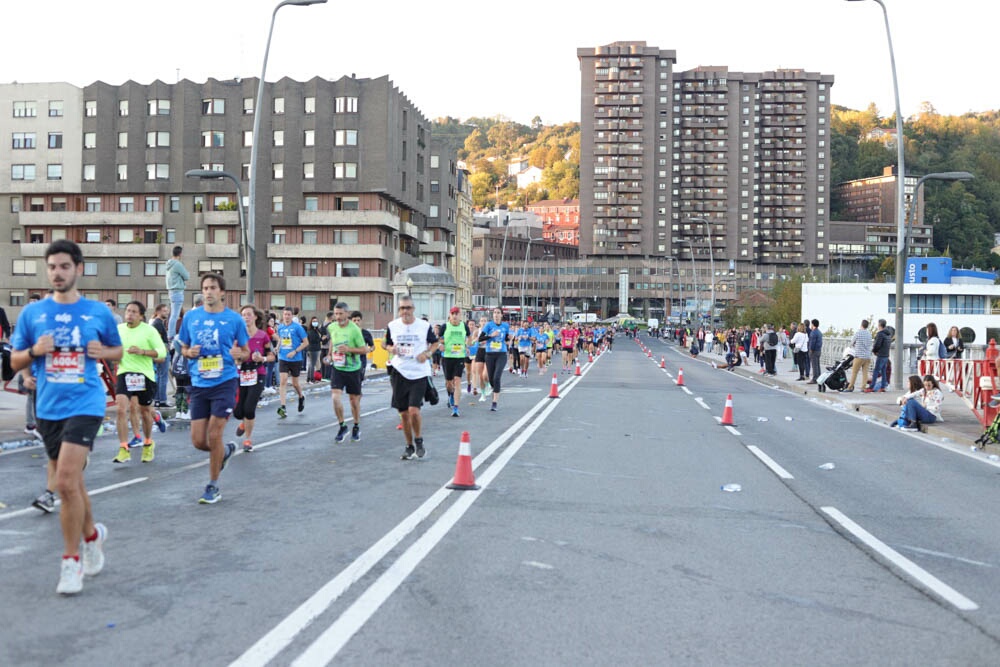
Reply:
x=410, y=341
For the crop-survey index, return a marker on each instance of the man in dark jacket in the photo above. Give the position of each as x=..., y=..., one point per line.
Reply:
x=815, y=349
x=880, y=348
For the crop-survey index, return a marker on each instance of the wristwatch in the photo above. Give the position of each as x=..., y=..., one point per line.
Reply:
x=31, y=352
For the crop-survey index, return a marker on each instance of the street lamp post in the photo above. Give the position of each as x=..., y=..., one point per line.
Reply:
x=900, y=212
x=711, y=267
x=694, y=274
x=248, y=250
x=486, y=276
x=251, y=230
x=524, y=270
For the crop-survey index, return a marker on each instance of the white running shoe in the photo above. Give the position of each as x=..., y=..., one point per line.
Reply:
x=93, y=552
x=482, y=397
x=70, y=577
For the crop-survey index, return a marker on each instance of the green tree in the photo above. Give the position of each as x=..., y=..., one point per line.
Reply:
x=476, y=142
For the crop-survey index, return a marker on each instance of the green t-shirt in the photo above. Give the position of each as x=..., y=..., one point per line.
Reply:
x=454, y=338
x=144, y=337
x=350, y=336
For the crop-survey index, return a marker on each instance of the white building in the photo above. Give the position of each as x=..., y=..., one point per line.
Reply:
x=529, y=176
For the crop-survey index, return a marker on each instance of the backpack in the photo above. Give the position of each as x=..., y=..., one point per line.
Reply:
x=991, y=434
x=942, y=350
x=772, y=339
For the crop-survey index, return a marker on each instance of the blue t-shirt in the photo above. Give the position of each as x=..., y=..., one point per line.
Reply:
x=69, y=382
x=216, y=333
x=524, y=337
x=291, y=336
x=497, y=343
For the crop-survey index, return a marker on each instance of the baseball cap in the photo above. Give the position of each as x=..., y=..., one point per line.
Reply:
x=455, y=309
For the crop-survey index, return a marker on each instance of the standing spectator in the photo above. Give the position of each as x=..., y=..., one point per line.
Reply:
x=113, y=306
x=161, y=366
x=861, y=342
x=880, y=348
x=953, y=344
x=315, y=336
x=177, y=277
x=932, y=349
x=771, y=345
x=800, y=350
x=815, y=349
x=4, y=324
x=324, y=346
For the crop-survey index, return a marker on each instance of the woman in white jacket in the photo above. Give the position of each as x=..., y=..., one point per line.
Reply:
x=921, y=405
x=800, y=347
x=933, y=341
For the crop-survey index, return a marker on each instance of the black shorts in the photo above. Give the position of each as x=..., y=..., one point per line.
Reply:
x=349, y=381
x=481, y=354
x=144, y=396
x=407, y=393
x=216, y=401
x=293, y=368
x=80, y=430
x=453, y=367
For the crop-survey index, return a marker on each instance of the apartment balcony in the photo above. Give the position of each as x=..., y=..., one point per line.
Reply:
x=442, y=247
x=352, y=219
x=218, y=218
x=104, y=250
x=333, y=284
x=332, y=251
x=89, y=218
x=222, y=250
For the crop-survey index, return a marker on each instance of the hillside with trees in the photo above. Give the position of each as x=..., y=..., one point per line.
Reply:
x=965, y=215
x=488, y=144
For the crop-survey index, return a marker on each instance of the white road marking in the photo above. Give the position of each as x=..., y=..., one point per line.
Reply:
x=283, y=634
x=731, y=430
x=535, y=563
x=921, y=575
x=769, y=462
x=687, y=391
x=700, y=401
x=93, y=492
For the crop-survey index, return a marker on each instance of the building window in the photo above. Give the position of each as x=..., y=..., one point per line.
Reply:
x=170, y=236
x=309, y=105
x=348, y=269
x=122, y=140
x=277, y=203
x=346, y=105
x=15, y=204
x=345, y=138
x=345, y=170
x=345, y=237
x=435, y=160
x=152, y=206
x=248, y=105
x=175, y=204
x=247, y=138
x=278, y=236
x=90, y=268
x=123, y=172
x=279, y=137
x=125, y=235
x=213, y=139
x=435, y=186
x=277, y=269
x=154, y=268
x=22, y=140
x=159, y=171
x=93, y=206
x=55, y=108
x=22, y=172
x=55, y=140
x=277, y=171
x=89, y=108
x=213, y=166
x=220, y=236
x=310, y=237
x=211, y=266
x=348, y=203
x=279, y=105
x=199, y=236
x=37, y=204
x=25, y=110
x=36, y=236
x=159, y=107
x=126, y=204
x=308, y=170
x=215, y=106
x=309, y=138
x=312, y=203
x=54, y=172
x=155, y=139
x=197, y=203
x=123, y=108
x=23, y=267
x=310, y=269
x=123, y=268
x=433, y=212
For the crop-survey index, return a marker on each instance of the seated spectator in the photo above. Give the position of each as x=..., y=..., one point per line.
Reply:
x=922, y=404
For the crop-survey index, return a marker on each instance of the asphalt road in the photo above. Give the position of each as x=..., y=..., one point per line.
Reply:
x=600, y=536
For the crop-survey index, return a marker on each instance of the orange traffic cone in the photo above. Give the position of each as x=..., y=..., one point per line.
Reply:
x=649, y=353
x=590, y=358
x=680, y=377
x=663, y=363
x=464, y=479
x=727, y=412
x=554, y=391
x=577, y=369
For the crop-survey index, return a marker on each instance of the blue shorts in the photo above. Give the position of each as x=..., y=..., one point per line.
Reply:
x=216, y=401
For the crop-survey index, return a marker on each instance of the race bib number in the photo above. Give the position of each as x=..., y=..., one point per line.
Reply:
x=286, y=343
x=210, y=367
x=66, y=366
x=404, y=349
x=495, y=346
x=248, y=378
x=339, y=359
x=457, y=348
x=135, y=382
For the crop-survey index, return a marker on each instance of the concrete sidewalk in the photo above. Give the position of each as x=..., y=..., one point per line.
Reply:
x=959, y=425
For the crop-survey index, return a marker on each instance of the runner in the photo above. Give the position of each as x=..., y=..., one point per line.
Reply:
x=293, y=341
x=356, y=317
x=470, y=353
x=481, y=384
x=207, y=336
x=526, y=336
x=494, y=337
x=568, y=338
x=252, y=373
x=456, y=351
x=347, y=346
x=541, y=341
x=135, y=386
x=411, y=343
x=62, y=338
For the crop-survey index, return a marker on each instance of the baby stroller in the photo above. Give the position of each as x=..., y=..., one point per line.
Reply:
x=835, y=376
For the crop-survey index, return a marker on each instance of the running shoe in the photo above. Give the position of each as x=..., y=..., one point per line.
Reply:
x=482, y=397
x=341, y=432
x=454, y=411
x=451, y=401
x=158, y=420
x=419, y=442
x=407, y=453
x=45, y=502
x=31, y=430
x=211, y=496
x=70, y=577
x=247, y=446
x=468, y=388
x=282, y=413
x=493, y=408
x=135, y=441
x=230, y=450
x=123, y=455
x=92, y=553
x=240, y=430
x=148, y=452
x=302, y=403
x=399, y=426
x=356, y=432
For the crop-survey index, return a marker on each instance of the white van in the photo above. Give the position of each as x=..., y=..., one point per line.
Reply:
x=653, y=323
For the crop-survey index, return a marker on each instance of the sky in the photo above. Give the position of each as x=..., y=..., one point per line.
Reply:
x=514, y=59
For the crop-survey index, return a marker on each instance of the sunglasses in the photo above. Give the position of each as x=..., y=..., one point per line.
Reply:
x=406, y=307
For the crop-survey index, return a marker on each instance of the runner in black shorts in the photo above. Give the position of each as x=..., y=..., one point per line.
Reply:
x=136, y=379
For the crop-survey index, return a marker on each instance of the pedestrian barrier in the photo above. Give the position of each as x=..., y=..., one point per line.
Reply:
x=465, y=479
x=727, y=412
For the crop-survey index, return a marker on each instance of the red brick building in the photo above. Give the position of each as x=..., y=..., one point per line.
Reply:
x=560, y=220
